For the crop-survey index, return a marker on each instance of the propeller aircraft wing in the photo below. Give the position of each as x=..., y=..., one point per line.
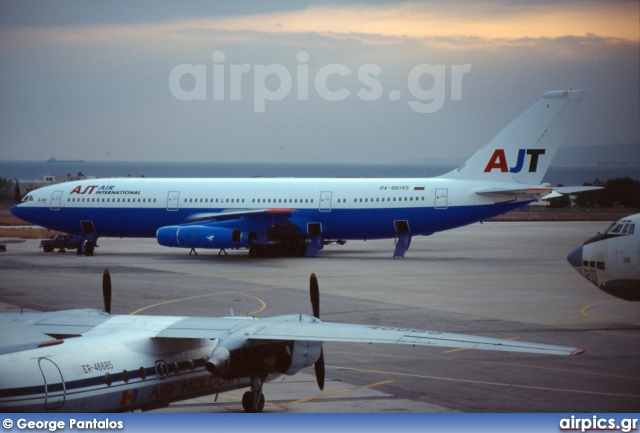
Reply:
x=114, y=362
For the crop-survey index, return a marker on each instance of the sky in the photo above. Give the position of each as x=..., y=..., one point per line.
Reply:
x=306, y=81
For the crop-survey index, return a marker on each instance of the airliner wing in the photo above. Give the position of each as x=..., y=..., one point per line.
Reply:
x=222, y=229
x=292, y=329
x=237, y=214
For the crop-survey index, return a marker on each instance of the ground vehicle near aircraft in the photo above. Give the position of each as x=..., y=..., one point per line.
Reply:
x=276, y=216
x=60, y=242
x=92, y=361
x=611, y=260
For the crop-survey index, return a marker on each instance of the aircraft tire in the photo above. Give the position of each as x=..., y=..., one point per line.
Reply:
x=247, y=403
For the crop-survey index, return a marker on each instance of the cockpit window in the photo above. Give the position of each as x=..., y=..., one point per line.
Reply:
x=621, y=228
x=616, y=229
x=27, y=197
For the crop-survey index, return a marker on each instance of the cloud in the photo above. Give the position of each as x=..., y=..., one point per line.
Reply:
x=375, y=23
x=90, y=85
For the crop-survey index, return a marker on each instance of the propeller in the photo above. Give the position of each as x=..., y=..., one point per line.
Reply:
x=314, y=292
x=106, y=290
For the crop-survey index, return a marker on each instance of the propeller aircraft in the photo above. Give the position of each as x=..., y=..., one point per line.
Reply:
x=87, y=360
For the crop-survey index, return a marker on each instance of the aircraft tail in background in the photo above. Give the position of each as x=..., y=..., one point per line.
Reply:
x=523, y=151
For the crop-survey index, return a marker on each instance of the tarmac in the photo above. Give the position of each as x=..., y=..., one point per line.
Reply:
x=498, y=279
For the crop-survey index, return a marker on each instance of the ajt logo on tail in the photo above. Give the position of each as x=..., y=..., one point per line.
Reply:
x=499, y=161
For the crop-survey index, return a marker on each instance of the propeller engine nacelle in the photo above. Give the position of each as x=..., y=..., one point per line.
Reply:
x=262, y=360
x=198, y=236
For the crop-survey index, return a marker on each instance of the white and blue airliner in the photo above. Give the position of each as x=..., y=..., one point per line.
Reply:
x=298, y=216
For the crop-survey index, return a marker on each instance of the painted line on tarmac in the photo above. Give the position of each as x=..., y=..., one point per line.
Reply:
x=481, y=382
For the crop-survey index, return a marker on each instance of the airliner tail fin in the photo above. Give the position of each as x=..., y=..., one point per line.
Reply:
x=522, y=152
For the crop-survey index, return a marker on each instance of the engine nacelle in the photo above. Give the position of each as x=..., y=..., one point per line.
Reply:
x=201, y=237
x=305, y=354
x=282, y=357
x=219, y=363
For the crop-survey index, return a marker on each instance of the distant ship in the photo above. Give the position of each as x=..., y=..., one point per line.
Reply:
x=52, y=159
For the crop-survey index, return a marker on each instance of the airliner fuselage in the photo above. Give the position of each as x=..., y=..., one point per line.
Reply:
x=346, y=208
x=299, y=216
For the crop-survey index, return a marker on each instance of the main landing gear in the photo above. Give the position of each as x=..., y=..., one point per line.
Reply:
x=291, y=249
x=253, y=401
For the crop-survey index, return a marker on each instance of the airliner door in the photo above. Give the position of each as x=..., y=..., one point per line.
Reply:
x=172, y=200
x=441, y=198
x=325, y=201
x=53, y=384
x=56, y=197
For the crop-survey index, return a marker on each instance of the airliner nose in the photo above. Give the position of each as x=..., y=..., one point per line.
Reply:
x=14, y=209
x=575, y=257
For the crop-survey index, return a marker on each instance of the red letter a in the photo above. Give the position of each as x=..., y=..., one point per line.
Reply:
x=498, y=160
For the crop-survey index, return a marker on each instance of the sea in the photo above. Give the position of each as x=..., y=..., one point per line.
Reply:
x=25, y=171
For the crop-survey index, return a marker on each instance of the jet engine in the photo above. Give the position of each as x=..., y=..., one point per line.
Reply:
x=199, y=236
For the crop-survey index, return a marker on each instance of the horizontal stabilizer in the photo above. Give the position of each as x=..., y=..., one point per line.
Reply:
x=537, y=191
x=532, y=191
x=576, y=189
